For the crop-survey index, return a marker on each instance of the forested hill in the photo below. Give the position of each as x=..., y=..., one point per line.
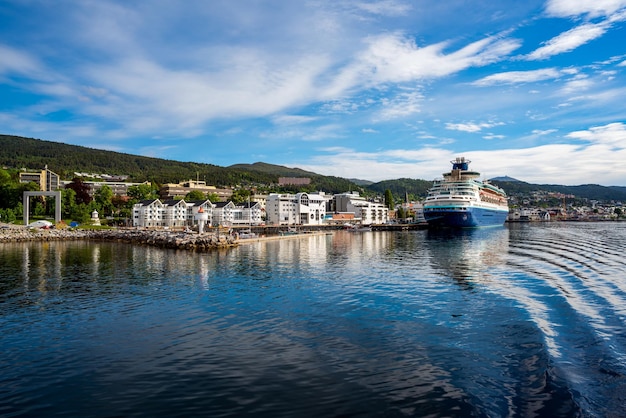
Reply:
x=34, y=154
x=63, y=159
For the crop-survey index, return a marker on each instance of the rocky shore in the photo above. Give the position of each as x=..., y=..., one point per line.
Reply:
x=163, y=239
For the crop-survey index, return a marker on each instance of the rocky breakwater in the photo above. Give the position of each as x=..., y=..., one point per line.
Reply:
x=163, y=239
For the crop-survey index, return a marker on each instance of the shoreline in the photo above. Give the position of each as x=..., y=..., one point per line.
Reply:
x=157, y=238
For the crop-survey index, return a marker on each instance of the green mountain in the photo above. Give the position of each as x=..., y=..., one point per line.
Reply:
x=34, y=154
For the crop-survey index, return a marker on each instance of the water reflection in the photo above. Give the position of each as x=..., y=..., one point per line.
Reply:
x=377, y=323
x=468, y=255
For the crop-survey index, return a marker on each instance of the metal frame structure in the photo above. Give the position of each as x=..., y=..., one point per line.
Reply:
x=57, y=204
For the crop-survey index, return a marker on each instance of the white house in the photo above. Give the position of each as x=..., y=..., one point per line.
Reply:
x=194, y=207
x=148, y=213
x=223, y=214
x=249, y=213
x=174, y=213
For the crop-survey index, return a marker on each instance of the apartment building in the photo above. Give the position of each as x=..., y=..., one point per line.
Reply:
x=47, y=180
x=296, y=209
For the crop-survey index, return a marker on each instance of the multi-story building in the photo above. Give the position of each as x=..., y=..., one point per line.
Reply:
x=46, y=179
x=148, y=214
x=366, y=212
x=223, y=214
x=174, y=213
x=194, y=207
x=169, y=214
x=248, y=213
x=179, y=190
x=298, y=209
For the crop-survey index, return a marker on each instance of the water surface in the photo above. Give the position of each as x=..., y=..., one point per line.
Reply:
x=523, y=320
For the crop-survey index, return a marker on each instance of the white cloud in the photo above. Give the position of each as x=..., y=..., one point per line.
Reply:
x=568, y=41
x=542, y=164
x=18, y=62
x=471, y=126
x=392, y=58
x=293, y=119
x=514, y=77
x=542, y=132
x=613, y=134
x=384, y=7
x=592, y=8
x=403, y=105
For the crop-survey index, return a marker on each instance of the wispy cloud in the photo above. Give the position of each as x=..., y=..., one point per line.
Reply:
x=516, y=77
x=568, y=41
x=613, y=134
x=591, y=8
x=471, y=126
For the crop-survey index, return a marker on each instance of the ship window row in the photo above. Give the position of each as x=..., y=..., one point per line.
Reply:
x=459, y=209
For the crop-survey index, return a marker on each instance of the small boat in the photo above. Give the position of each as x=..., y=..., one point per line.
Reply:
x=357, y=228
x=461, y=200
x=245, y=234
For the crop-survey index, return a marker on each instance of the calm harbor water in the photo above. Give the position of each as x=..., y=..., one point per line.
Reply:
x=520, y=321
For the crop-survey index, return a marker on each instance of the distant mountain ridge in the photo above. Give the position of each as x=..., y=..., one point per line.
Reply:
x=65, y=159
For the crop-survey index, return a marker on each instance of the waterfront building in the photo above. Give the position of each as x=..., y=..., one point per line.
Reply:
x=298, y=209
x=248, y=213
x=365, y=212
x=310, y=208
x=174, y=213
x=47, y=180
x=148, y=214
x=199, y=206
x=223, y=214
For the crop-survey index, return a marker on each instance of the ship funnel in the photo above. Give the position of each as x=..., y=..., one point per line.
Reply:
x=460, y=164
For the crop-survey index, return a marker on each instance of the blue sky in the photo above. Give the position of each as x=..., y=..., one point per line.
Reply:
x=359, y=89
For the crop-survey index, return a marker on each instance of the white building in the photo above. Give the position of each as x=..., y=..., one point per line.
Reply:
x=249, y=213
x=148, y=214
x=174, y=213
x=365, y=212
x=310, y=208
x=298, y=209
x=194, y=207
x=223, y=214
x=170, y=214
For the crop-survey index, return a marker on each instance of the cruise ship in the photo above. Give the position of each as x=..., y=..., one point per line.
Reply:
x=462, y=200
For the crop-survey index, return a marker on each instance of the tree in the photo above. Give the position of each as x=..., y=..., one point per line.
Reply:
x=142, y=192
x=389, y=200
x=68, y=201
x=240, y=196
x=195, y=195
x=213, y=197
x=104, y=199
x=5, y=177
x=81, y=189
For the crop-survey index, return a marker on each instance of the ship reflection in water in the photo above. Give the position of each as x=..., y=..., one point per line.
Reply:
x=468, y=255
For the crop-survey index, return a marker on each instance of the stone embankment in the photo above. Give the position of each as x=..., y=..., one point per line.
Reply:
x=163, y=239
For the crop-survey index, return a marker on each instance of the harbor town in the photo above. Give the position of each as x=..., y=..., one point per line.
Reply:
x=177, y=218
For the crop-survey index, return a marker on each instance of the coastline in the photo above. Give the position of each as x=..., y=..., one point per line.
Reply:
x=157, y=238
x=163, y=239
